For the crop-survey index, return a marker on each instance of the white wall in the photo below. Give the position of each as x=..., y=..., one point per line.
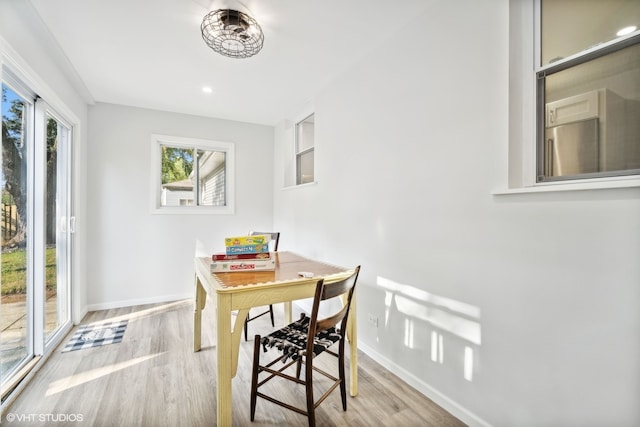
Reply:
x=135, y=256
x=543, y=289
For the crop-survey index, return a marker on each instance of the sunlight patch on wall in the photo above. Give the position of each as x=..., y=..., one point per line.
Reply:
x=468, y=363
x=456, y=317
x=408, y=333
x=450, y=318
x=422, y=295
x=437, y=347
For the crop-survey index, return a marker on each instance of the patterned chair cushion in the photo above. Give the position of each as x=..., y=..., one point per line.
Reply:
x=292, y=339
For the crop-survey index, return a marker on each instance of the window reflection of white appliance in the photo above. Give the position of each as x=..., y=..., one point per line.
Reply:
x=583, y=134
x=572, y=149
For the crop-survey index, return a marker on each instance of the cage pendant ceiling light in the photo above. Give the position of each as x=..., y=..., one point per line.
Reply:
x=232, y=33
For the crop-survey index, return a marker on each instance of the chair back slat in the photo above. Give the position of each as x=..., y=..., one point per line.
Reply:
x=335, y=289
x=331, y=290
x=331, y=321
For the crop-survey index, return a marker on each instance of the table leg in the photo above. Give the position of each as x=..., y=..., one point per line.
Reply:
x=236, y=334
x=224, y=363
x=288, y=313
x=352, y=336
x=201, y=299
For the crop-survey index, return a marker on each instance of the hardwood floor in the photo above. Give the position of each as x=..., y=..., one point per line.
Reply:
x=153, y=378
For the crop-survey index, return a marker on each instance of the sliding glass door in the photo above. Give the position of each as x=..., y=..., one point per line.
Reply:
x=58, y=222
x=36, y=229
x=16, y=341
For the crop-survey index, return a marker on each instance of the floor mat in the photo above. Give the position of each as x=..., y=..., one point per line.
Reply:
x=87, y=336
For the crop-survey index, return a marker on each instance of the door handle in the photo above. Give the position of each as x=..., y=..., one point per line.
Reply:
x=72, y=225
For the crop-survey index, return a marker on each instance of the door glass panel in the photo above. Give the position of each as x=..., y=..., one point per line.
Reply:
x=14, y=338
x=56, y=229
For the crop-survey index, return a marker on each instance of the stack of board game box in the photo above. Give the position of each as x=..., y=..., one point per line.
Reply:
x=244, y=253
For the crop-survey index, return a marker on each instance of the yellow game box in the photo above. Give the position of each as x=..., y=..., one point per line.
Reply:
x=247, y=240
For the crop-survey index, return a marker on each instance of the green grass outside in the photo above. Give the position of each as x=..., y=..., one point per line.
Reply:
x=14, y=271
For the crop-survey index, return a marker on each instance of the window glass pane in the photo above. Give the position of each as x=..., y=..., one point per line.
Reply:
x=592, y=118
x=177, y=181
x=14, y=183
x=305, y=142
x=189, y=183
x=305, y=134
x=211, y=173
x=305, y=167
x=571, y=26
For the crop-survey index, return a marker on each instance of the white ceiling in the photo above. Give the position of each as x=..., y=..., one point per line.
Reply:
x=150, y=53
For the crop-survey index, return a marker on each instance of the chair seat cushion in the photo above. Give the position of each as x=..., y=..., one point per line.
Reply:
x=292, y=339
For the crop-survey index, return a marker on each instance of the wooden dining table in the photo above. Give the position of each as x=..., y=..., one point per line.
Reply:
x=240, y=291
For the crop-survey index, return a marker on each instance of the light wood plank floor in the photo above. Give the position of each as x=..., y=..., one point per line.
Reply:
x=153, y=378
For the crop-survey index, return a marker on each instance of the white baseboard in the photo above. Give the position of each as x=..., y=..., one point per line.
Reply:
x=142, y=301
x=457, y=410
x=77, y=318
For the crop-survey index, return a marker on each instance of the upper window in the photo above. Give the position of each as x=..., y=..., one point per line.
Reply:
x=191, y=175
x=588, y=89
x=304, y=148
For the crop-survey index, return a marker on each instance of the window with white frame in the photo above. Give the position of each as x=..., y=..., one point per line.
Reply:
x=587, y=89
x=191, y=175
x=304, y=150
x=573, y=94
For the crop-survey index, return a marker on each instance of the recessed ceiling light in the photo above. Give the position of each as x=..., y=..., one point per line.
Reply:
x=207, y=89
x=626, y=30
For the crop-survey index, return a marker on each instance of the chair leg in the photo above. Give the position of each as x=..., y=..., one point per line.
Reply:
x=308, y=379
x=254, y=375
x=343, y=383
x=298, y=367
x=273, y=323
x=246, y=327
x=246, y=321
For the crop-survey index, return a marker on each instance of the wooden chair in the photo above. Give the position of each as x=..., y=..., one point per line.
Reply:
x=295, y=347
x=275, y=238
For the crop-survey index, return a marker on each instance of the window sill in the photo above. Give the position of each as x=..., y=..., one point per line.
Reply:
x=632, y=182
x=193, y=210
x=308, y=184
